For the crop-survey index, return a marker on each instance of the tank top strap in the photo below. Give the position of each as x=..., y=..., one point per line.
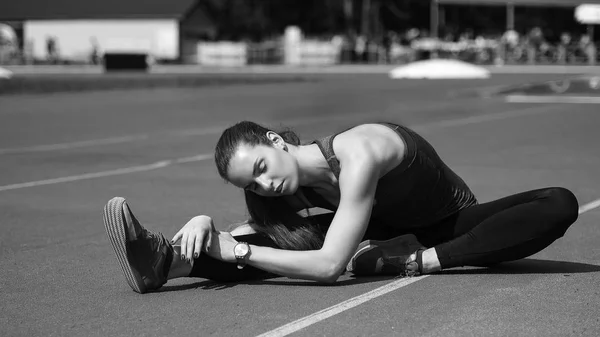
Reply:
x=326, y=147
x=315, y=199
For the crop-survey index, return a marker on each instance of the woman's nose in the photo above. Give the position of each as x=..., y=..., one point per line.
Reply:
x=266, y=184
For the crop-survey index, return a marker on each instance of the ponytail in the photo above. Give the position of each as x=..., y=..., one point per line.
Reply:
x=274, y=217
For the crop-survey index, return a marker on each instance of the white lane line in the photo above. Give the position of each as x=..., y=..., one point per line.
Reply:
x=589, y=206
x=128, y=139
x=72, y=145
x=530, y=111
x=215, y=130
x=121, y=171
x=125, y=139
x=318, y=316
x=218, y=129
x=423, y=127
x=112, y=140
x=340, y=307
x=553, y=99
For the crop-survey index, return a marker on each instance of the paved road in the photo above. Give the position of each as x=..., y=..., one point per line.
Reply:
x=60, y=277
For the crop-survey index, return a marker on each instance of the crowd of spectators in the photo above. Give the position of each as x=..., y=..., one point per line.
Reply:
x=508, y=48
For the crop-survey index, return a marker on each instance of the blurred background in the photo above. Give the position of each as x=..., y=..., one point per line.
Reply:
x=299, y=32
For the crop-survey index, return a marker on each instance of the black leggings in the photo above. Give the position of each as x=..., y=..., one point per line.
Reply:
x=507, y=229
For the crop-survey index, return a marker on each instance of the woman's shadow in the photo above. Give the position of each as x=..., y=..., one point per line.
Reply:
x=523, y=266
x=273, y=280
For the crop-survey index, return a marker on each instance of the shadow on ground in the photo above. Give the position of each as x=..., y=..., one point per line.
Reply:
x=525, y=266
x=528, y=266
x=214, y=285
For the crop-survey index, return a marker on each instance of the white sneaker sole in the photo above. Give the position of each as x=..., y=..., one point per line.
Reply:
x=115, y=227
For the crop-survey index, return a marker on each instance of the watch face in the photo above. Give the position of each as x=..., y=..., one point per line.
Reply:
x=241, y=249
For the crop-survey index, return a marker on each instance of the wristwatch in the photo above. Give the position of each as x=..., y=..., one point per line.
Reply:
x=241, y=252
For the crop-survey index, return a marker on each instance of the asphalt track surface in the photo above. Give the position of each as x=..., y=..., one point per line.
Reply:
x=62, y=156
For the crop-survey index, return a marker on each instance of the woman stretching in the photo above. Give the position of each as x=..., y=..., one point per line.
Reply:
x=385, y=185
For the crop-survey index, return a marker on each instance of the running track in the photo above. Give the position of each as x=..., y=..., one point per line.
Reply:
x=63, y=156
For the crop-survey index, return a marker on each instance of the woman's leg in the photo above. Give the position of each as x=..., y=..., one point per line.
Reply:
x=210, y=268
x=507, y=229
x=207, y=267
x=148, y=259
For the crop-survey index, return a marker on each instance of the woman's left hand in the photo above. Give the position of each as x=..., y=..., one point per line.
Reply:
x=221, y=247
x=196, y=236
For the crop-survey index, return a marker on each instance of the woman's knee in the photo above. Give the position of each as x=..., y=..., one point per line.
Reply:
x=563, y=206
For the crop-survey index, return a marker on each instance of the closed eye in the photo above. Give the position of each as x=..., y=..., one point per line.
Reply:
x=260, y=167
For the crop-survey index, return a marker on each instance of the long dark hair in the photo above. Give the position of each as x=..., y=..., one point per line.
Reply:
x=272, y=216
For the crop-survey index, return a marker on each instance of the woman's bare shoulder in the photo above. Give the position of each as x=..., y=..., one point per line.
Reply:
x=374, y=142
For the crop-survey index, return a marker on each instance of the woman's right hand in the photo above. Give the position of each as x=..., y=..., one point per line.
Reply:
x=195, y=236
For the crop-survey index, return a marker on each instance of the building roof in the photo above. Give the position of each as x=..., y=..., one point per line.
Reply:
x=543, y=3
x=21, y=10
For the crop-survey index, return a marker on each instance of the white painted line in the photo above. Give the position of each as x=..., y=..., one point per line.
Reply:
x=112, y=140
x=72, y=145
x=340, y=307
x=191, y=159
x=358, y=300
x=423, y=127
x=553, y=99
x=215, y=130
x=219, y=129
x=543, y=69
x=589, y=206
x=125, y=139
x=109, y=173
x=529, y=111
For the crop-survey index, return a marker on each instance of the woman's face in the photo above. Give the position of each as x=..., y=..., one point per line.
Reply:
x=265, y=170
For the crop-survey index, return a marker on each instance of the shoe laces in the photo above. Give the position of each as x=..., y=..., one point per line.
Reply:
x=157, y=240
x=404, y=266
x=411, y=266
x=411, y=269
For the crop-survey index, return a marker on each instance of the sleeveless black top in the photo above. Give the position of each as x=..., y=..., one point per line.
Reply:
x=419, y=192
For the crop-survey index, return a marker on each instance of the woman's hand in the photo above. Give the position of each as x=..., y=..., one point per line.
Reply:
x=195, y=236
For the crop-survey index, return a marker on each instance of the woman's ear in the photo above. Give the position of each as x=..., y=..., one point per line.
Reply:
x=277, y=141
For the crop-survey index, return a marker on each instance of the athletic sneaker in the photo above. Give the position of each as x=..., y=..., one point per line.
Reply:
x=389, y=257
x=144, y=256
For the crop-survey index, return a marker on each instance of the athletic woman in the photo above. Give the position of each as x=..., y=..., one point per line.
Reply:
x=385, y=186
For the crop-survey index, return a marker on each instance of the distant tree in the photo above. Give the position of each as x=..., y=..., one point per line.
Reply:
x=259, y=19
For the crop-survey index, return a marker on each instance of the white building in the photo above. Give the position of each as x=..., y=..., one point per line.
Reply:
x=166, y=29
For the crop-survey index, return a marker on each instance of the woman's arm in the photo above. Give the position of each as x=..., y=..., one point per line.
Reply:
x=358, y=182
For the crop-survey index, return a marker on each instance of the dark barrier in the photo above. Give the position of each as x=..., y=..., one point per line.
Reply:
x=126, y=61
x=136, y=80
